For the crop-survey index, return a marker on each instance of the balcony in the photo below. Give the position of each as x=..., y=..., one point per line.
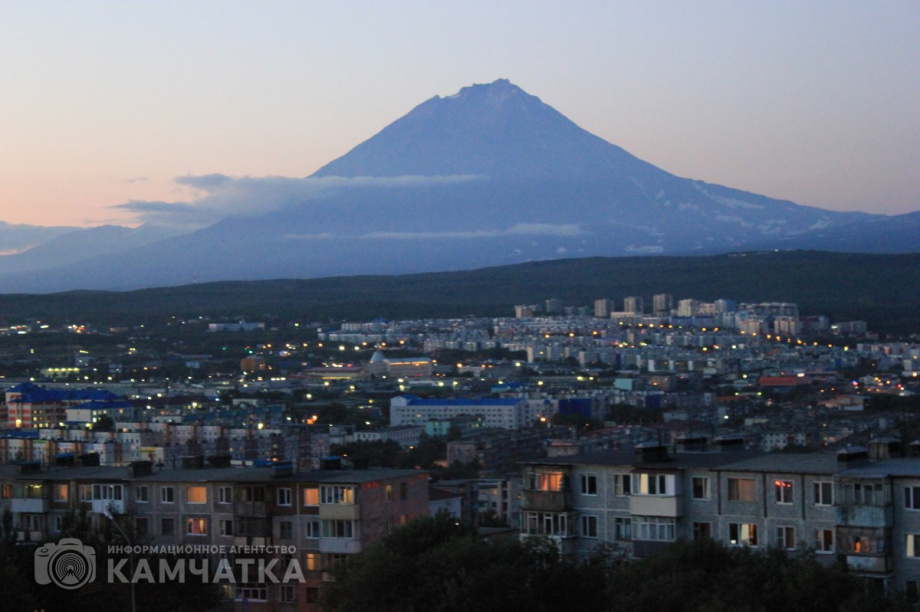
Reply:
x=863, y=516
x=345, y=512
x=108, y=506
x=29, y=535
x=342, y=546
x=671, y=506
x=30, y=505
x=251, y=508
x=869, y=564
x=546, y=501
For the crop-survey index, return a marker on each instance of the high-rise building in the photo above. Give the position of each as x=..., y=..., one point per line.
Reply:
x=633, y=304
x=662, y=304
x=603, y=307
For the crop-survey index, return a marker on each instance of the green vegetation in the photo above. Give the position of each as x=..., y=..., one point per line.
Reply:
x=883, y=290
x=436, y=564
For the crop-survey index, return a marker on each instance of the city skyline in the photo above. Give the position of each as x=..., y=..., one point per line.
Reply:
x=109, y=104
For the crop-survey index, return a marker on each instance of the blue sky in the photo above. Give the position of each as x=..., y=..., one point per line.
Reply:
x=106, y=103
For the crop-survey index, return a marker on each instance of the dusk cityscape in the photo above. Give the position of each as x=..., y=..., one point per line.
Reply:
x=336, y=307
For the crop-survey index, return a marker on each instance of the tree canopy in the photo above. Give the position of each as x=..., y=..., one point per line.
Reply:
x=436, y=564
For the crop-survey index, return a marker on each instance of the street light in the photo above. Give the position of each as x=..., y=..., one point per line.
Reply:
x=108, y=514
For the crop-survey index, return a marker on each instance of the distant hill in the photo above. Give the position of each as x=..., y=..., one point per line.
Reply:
x=882, y=289
x=488, y=176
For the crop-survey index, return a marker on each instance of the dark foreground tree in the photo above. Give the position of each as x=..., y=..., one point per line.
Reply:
x=438, y=565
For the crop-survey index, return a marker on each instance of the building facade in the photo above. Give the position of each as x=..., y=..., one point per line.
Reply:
x=844, y=507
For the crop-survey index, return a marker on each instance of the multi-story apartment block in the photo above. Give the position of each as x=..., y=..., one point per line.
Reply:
x=866, y=514
x=504, y=413
x=322, y=515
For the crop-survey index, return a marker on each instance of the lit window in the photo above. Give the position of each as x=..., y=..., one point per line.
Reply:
x=311, y=496
x=742, y=534
x=196, y=526
x=196, y=495
x=782, y=490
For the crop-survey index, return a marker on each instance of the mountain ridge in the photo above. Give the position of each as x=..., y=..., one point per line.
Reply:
x=489, y=176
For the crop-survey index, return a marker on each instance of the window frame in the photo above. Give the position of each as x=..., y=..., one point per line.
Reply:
x=736, y=493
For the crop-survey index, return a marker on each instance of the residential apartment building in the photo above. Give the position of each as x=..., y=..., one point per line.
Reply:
x=323, y=515
x=864, y=513
x=503, y=413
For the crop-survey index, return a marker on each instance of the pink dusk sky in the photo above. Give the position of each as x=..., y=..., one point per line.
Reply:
x=106, y=103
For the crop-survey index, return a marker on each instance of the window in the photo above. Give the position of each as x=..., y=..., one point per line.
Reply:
x=861, y=541
x=622, y=529
x=588, y=484
x=742, y=534
x=913, y=545
x=286, y=530
x=742, y=489
x=252, y=494
x=785, y=538
x=700, y=488
x=226, y=527
x=167, y=527
x=61, y=492
x=702, y=531
x=546, y=481
x=288, y=594
x=311, y=496
x=284, y=497
x=910, y=591
x=782, y=491
x=311, y=562
x=403, y=491
x=142, y=494
x=225, y=495
x=863, y=493
x=389, y=492
x=196, y=526
x=312, y=529
x=338, y=529
x=252, y=592
x=824, y=540
x=312, y=595
x=85, y=492
x=107, y=492
x=339, y=495
x=167, y=495
x=653, y=528
x=588, y=526
x=651, y=484
x=32, y=522
x=824, y=493
x=142, y=526
x=622, y=484
x=196, y=495
x=912, y=498
x=546, y=523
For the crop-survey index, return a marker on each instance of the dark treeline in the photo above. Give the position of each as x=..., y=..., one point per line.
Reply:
x=883, y=290
x=437, y=565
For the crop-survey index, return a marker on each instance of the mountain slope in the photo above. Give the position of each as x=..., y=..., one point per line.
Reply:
x=488, y=176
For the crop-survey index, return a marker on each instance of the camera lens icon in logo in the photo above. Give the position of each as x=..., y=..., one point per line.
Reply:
x=68, y=564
